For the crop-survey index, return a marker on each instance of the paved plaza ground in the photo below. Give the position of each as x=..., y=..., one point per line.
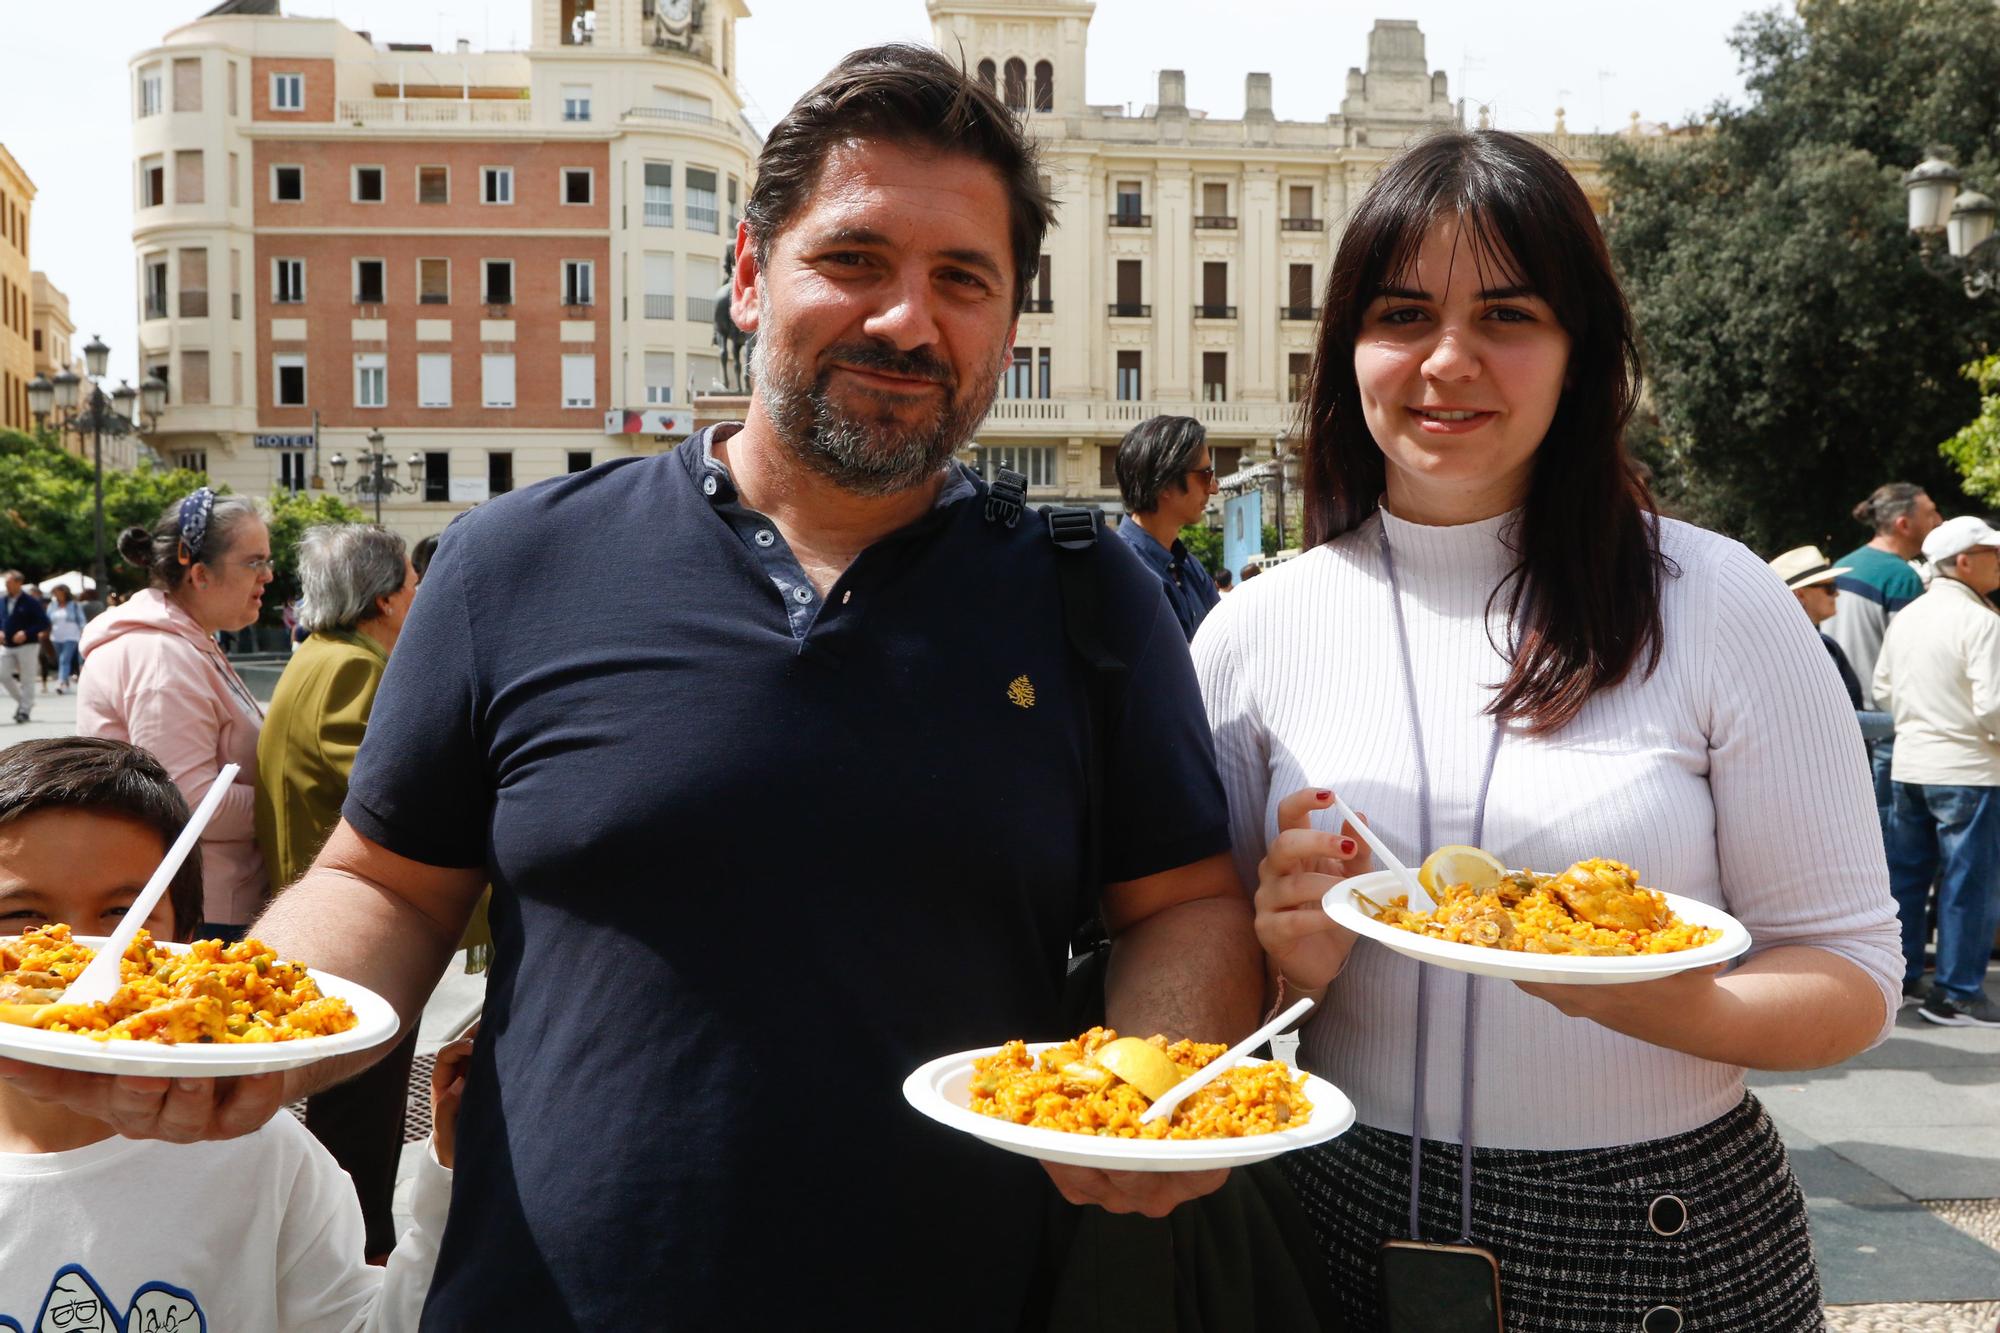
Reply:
x=1898, y=1149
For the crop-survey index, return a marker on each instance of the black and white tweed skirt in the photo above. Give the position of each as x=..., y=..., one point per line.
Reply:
x=1703, y=1232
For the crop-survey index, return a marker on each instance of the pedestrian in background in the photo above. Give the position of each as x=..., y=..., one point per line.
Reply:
x=1810, y=576
x=66, y=622
x=23, y=622
x=1880, y=581
x=1224, y=580
x=1939, y=675
x=158, y=680
x=1165, y=478
x=356, y=587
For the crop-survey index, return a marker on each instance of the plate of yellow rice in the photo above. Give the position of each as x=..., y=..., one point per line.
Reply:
x=201, y=1010
x=1533, y=938
x=1056, y=1102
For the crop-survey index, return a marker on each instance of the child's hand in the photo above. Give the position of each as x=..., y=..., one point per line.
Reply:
x=447, y=1087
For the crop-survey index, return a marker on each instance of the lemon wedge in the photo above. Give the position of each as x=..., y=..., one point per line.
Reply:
x=1140, y=1063
x=1459, y=865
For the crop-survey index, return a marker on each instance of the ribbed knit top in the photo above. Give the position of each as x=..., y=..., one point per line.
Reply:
x=1732, y=774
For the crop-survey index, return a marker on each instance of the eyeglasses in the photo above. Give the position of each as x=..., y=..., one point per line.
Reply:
x=259, y=564
x=1207, y=474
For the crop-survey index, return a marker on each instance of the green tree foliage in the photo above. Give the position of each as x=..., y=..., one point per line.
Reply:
x=1798, y=351
x=1975, y=450
x=46, y=507
x=1204, y=544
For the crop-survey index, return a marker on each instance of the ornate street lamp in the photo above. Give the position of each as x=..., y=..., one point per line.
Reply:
x=1964, y=219
x=378, y=473
x=61, y=404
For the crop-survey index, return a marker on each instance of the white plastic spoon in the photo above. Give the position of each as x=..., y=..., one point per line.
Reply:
x=99, y=981
x=1420, y=901
x=1221, y=1064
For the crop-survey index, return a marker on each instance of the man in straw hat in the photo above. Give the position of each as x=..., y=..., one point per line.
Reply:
x=1939, y=675
x=1810, y=576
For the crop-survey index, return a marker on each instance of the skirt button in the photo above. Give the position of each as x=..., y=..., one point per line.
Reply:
x=1667, y=1215
x=1661, y=1319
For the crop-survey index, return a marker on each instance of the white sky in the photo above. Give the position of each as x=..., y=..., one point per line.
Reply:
x=65, y=107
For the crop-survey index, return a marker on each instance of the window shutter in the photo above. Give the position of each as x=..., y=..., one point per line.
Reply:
x=434, y=379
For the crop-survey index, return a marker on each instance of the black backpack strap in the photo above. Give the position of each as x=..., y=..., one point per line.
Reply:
x=1006, y=497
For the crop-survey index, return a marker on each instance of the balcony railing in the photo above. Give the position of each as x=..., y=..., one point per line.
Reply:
x=1131, y=219
x=1300, y=224
x=434, y=111
x=156, y=307
x=1215, y=312
x=1039, y=306
x=700, y=218
x=659, y=214
x=701, y=309
x=1125, y=310
x=1306, y=312
x=1214, y=222
x=659, y=307
x=1088, y=416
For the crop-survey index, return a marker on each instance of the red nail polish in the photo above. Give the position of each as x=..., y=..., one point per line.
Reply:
x=1347, y=847
x=1323, y=795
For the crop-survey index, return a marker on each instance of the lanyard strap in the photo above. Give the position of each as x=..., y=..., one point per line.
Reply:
x=1423, y=973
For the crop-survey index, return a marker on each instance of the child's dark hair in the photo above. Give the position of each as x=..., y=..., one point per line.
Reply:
x=105, y=777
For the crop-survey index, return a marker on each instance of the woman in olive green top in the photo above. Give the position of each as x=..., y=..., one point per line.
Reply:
x=357, y=587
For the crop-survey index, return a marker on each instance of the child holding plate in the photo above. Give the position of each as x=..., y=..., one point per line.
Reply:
x=106, y=1233
x=1494, y=639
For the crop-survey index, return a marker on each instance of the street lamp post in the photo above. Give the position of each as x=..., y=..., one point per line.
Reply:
x=98, y=417
x=1965, y=219
x=378, y=473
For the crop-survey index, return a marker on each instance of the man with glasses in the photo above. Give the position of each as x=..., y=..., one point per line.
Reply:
x=1165, y=477
x=1939, y=674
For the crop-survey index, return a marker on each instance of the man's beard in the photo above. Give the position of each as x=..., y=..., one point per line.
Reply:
x=863, y=452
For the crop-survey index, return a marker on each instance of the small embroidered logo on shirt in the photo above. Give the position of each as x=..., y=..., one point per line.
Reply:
x=1021, y=692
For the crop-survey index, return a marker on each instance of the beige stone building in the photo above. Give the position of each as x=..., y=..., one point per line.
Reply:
x=1183, y=275
x=504, y=262
x=17, y=356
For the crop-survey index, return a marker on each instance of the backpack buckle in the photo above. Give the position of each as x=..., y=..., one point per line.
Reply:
x=1006, y=496
x=1072, y=529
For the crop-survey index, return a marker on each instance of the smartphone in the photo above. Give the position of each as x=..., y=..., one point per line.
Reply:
x=1439, y=1288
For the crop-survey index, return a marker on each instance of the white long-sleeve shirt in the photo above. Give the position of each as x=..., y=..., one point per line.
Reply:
x=256, y=1233
x=1733, y=774
x=1939, y=675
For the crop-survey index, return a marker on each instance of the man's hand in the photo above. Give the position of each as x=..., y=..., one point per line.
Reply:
x=179, y=1110
x=1153, y=1193
x=447, y=1090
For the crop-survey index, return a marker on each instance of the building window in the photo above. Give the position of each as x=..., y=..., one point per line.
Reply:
x=579, y=460
x=577, y=285
x=194, y=378
x=497, y=283
x=496, y=379
x=191, y=460
x=1128, y=377
x=1045, y=86
x=231, y=70
x=194, y=283
x=1044, y=299
x=235, y=180
x=1215, y=377
x=236, y=284
x=434, y=379
x=576, y=185
x=434, y=282
x=499, y=471
x=576, y=101
x=659, y=210
x=288, y=281
x=579, y=381
x=1298, y=368
x=1214, y=292
x=1227, y=458
x=701, y=210
x=496, y=185
x=1036, y=463
x=1027, y=375
x=288, y=380
x=1015, y=94
x=371, y=380
x=1215, y=199
x=735, y=216
x=659, y=378
x=150, y=103
x=292, y=471
x=437, y=476
x=190, y=177
x=368, y=185
x=433, y=185
x=368, y=282
x=1301, y=203
x=156, y=288
x=989, y=76
x=659, y=271
x=288, y=92
x=187, y=84
x=1299, y=292
x=152, y=181
x=1128, y=301
x=288, y=185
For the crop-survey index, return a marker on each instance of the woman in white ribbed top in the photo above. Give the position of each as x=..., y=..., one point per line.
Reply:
x=1670, y=709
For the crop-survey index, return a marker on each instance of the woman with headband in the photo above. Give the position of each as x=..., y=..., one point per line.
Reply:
x=158, y=680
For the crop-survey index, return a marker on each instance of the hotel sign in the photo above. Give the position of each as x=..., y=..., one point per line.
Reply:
x=290, y=440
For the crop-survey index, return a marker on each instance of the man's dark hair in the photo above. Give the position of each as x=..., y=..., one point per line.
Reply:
x=1887, y=503
x=1153, y=456
x=910, y=96
x=104, y=777
x=421, y=553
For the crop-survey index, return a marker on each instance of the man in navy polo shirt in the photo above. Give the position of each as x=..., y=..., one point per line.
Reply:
x=1165, y=478
x=805, y=808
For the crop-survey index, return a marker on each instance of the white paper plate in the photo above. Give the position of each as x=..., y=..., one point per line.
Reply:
x=942, y=1091
x=1569, y=969
x=377, y=1023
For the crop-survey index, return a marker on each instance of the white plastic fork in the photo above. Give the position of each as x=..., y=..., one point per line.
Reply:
x=1221, y=1064
x=1420, y=900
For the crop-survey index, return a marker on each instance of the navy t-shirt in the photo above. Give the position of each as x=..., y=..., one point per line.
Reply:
x=745, y=882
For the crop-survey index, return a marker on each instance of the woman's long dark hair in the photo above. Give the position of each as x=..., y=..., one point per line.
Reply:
x=1584, y=598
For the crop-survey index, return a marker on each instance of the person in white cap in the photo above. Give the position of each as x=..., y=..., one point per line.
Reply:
x=1810, y=576
x=1939, y=675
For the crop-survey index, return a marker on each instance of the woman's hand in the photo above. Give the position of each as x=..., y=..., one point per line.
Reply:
x=1301, y=864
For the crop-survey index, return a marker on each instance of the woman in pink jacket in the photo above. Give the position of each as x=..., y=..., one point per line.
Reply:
x=158, y=680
